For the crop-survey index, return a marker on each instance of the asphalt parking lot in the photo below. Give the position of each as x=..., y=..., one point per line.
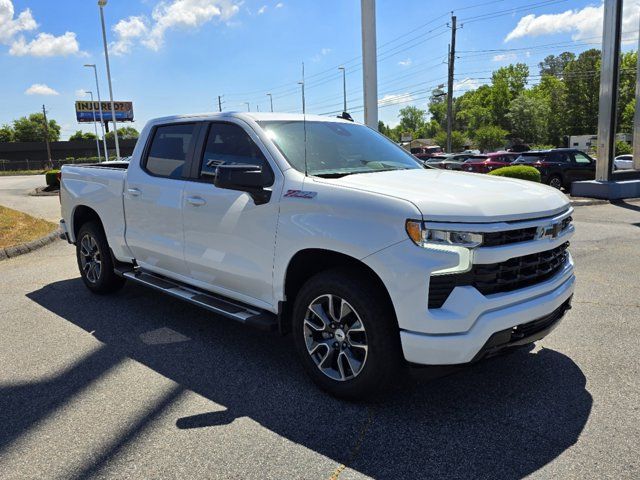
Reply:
x=138, y=385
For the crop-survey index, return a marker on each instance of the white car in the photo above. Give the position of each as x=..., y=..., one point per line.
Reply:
x=623, y=162
x=326, y=229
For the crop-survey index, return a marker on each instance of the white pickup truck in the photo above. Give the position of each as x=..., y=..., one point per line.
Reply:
x=326, y=229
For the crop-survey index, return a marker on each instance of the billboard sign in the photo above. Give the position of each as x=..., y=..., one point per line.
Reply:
x=86, y=109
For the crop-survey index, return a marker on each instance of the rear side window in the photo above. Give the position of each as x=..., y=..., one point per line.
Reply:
x=581, y=158
x=558, y=157
x=229, y=144
x=168, y=151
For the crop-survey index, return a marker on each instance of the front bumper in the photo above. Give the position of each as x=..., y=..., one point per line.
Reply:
x=489, y=330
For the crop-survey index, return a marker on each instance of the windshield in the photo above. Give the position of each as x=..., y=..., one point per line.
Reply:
x=336, y=148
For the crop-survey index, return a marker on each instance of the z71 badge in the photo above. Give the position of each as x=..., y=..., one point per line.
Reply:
x=300, y=194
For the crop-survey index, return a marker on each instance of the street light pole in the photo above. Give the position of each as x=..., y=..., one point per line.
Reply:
x=104, y=138
x=101, y=4
x=248, y=107
x=95, y=127
x=271, y=100
x=344, y=88
x=369, y=63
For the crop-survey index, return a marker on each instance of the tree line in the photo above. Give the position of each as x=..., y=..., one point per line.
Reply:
x=32, y=129
x=563, y=102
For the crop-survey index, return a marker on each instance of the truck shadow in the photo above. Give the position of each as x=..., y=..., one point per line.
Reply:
x=502, y=418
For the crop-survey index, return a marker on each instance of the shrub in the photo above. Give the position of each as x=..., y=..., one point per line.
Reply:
x=522, y=172
x=52, y=179
x=623, y=148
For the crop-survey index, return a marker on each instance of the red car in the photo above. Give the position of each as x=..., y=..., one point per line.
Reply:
x=489, y=161
x=426, y=152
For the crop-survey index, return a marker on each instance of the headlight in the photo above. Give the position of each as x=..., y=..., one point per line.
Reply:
x=461, y=243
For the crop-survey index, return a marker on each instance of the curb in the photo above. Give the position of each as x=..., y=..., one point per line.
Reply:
x=23, y=248
x=585, y=203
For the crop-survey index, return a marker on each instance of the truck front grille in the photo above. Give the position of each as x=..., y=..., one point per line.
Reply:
x=500, y=277
x=495, y=239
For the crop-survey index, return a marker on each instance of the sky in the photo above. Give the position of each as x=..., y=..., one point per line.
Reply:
x=177, y=56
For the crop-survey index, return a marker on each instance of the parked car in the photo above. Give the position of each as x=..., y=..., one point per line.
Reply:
x=448, y=161
x=623, y=162
x=560, y=167
x=489, y=161
x=426, y=152
x=338, y=237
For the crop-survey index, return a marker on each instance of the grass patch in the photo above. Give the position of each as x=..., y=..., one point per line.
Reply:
x=9, y=173
x=17, y=227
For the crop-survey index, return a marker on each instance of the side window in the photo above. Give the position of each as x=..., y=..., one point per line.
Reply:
x=229, y=144
x=581, y=158
x=168, y=151
x=558, y=157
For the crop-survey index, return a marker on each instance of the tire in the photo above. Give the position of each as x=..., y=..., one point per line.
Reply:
x=94, y=260
x=555, y=181
x=363, y=355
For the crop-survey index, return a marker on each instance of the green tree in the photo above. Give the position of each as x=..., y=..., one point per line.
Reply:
x=429, y=129
x=32, y=129
x=411, y=119
x=458, y=140
x=438, y=106
x=124, y=133
x=473, y=109
x=490, y=138
x=552, y=91
x=627, y=91
x=506, y=84
x=554, y=64
x=582, y=79
x=6, y=133
x=623, y=148
x=80, y=135
x=528, y=118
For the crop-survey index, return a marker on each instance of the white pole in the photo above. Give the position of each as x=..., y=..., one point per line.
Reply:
x=95, y=127
x=101, y=4
x=369, y=63
x=104, y=138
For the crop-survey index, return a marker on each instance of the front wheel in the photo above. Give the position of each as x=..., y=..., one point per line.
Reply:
x=94, y=260
x=346, y=334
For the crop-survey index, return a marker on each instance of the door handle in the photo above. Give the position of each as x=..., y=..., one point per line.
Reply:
x=134, y=192
x=196, y=201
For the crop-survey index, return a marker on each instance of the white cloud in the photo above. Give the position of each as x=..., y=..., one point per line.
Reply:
x=405, y=63
x=262, y=9
x=279, y=5
x=466, y=84
x=504, y=57
x=80, y=93
x=46, y=45
x=127, y=31
x=186, y=14
x=584, y=23
x=323, y=52
x=10, y=26
x=393, y=99
x=40, y=89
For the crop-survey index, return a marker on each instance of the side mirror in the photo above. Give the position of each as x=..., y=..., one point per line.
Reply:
x=245, y=178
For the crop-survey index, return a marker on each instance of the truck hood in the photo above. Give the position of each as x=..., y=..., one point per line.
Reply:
x=448, y=196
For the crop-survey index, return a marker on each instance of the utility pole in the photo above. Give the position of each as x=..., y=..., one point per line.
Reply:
x=95, y=126
x=257, y=107
x=369, y=63
x=344, y=88
x=46, y=134
x=271, y=100
x=304, y=106
x=219, y=103
x=452, y=57
x=101, y=4
x=248, y=107
x=102, y=121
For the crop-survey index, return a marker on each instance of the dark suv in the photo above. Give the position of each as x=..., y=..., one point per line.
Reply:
x=560, y=166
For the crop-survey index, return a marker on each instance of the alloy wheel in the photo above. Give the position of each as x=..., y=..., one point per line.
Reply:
x=335, y=337
x=90, y=258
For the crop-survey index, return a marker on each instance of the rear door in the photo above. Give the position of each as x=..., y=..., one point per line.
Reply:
x=229, y=241
x=153, y=199
x=582, y=167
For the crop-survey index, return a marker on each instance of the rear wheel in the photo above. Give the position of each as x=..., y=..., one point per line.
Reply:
x=95, y=261
x=555, y=181
x=346, y=334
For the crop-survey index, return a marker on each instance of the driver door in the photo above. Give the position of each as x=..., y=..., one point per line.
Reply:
x=229, y=241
